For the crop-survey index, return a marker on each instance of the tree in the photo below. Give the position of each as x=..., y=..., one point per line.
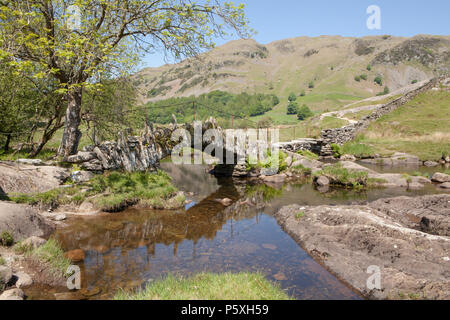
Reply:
x=78, y=41
x=28, y=105
x=107, y=111
x=303, y=93
x=311, y=85
x=304, y=112
x=292, y=108
x=292, y=97
x=378, y=80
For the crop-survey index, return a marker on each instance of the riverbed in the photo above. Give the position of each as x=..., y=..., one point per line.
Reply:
x=129, y=249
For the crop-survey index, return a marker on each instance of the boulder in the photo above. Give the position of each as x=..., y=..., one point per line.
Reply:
x=81, y=157
x=440, y=177
x=269, y=171
x=13, y=294
x=430, y=164
x=23, y=280
x=60, y=217
x=289, y=161
x=322, y=181
x=415, y=186
x=77, y=255
x=81, y=176
x=279, y=178
x=34, y=242
x=5, y=276
x=23, y=221
x=348, y=157
x=445, y=185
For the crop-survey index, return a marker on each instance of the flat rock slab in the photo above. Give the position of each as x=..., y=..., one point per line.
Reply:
x=348, y=240
x=30, y=179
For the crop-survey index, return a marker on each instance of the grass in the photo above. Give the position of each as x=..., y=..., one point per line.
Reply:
x=114, y=191
x=52, y=253
x=208, y=286
x=308, y=154
x=420, y=127
x=2, y=261
x=339, y=175
x=299, y=215
x=359, y=150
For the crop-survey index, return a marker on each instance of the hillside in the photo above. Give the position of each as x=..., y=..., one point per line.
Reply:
x=323, y=67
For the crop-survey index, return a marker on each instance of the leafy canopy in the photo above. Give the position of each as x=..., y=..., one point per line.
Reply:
x=109, y=34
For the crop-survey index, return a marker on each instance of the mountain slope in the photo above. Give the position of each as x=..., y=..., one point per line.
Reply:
x=323, y=67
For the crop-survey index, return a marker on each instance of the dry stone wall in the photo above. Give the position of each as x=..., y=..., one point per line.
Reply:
x=348, y=133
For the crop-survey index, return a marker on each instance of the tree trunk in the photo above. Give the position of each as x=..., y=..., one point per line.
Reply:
x=8, y=141
x=72, y=134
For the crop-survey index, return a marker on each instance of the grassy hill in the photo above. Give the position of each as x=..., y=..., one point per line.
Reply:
x=324, y=68
x=420, y=127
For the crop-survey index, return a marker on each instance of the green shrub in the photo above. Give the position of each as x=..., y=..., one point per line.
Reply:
x=292, y=108
x=357, y=78
x=414, y=81
x=378, y=80
x=299, y=215
x=363, y=76
x=292, y=97
x=303, y=93
x=304, y=112
x=337, y=153
x=369, y=67
x=311, y=85
x=6, y=239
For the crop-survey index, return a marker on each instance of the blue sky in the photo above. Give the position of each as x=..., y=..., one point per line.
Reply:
x=280, y=19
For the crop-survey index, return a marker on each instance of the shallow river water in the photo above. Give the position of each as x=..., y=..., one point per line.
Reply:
x=129, y=249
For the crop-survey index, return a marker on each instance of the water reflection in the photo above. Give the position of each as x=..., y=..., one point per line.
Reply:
x=127, y=249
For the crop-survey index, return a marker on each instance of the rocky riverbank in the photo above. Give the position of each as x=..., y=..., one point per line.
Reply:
x=406, y=238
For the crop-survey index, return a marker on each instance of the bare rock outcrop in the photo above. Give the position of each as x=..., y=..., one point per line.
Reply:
x=386, y=234
x=30, y=179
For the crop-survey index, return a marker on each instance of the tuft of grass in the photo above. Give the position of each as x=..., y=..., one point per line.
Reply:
x=6, y=239
x=208, y=286
x=2, y=261
x=339, y=175
x=308, y=154
x=301, y=169
x=299, y=215
x=52, y=253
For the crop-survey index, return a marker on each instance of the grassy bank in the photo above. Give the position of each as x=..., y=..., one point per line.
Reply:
x=207, y=286
x=112, y=192
x=420, y=127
